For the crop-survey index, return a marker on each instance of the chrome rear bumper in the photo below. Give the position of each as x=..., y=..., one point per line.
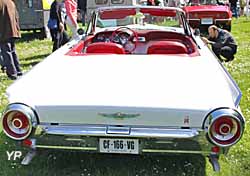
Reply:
x=151, y=139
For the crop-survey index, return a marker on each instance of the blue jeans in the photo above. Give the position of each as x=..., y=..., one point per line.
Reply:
x=59, y=38
x=9, y=57
x=234, y=10
x=227, y=52
x=83, y=12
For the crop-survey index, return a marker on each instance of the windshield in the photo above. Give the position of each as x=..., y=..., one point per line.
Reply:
x=143, y=18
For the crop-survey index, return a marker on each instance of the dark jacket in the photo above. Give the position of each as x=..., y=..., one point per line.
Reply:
x=224, y=39
x=9, y=21
x=56, y=12
x=233, y=2
x=82, y=4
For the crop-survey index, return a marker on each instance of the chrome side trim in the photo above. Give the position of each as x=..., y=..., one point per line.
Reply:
x=194, y=19
x=229, y=19
x=175, y=151
x=142, y=132
x=66, y=147
x=143, y=150
x=232, y=81
x=216, y=20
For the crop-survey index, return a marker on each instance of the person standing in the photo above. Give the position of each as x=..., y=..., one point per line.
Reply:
x=9, y=32
x=71, y=20
x=150, y=2
x=82, y=5
x=2, y=62
x=242, y=5
x=222, y=42
x=56, y=25
x=233, y=5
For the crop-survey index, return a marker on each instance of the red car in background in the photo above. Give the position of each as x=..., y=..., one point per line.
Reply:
x=203, y=13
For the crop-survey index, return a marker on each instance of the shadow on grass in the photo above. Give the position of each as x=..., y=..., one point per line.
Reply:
x=101, y=164
x=33, y=60
x=29, y=36
x=76, y=163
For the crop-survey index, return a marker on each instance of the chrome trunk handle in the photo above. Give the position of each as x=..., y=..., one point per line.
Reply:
x=118, y=130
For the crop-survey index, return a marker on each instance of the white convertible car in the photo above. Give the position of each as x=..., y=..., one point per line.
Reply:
x=138, y=81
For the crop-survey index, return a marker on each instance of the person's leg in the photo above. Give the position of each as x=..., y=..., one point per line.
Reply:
x=241, y=11
x=217, y=52
x=59, y=38
x=72, y=27
x=6, y=49
x=83, y=17
x=228, y=53
x=65, y=38
x=236, y=11
x=15, y=58
x=53, y=33
x=3, y=68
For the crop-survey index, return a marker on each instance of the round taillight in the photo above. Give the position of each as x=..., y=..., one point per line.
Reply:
x=226, y=128
x=223, y=126
x=17, y=121
x=20, y=121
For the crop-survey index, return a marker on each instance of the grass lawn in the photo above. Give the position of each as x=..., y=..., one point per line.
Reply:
x=31, y=51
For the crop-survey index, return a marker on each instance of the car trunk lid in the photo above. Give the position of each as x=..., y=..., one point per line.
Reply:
x=120, y=90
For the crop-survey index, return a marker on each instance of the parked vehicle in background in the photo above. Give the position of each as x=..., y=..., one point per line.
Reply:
x=34, y=15
x=94, y=4
x=203, y=13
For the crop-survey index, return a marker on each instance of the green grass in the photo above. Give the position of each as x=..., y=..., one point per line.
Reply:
x=50, y=162
x=238, y=159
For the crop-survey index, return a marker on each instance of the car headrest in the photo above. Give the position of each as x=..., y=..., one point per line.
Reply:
x=105, y=47
x=167, y=47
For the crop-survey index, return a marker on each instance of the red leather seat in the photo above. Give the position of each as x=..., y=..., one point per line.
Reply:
x=105, y=47
x=167, y=47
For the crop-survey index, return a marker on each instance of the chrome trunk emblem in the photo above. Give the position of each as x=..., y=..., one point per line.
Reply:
x=119, y=115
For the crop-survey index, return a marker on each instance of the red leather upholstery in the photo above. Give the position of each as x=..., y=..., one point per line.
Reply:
x=167, y=47
x=105, y=47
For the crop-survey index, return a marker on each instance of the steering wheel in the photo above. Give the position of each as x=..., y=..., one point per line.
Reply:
x=125, y=36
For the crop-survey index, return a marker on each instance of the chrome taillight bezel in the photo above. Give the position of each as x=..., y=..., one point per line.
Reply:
x=236, y=130
x=8, y=125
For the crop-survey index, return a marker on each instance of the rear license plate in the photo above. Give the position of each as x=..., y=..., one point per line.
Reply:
x=207, y=21
x=108, y=145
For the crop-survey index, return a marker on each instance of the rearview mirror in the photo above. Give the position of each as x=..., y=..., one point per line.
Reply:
x=197, y=32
